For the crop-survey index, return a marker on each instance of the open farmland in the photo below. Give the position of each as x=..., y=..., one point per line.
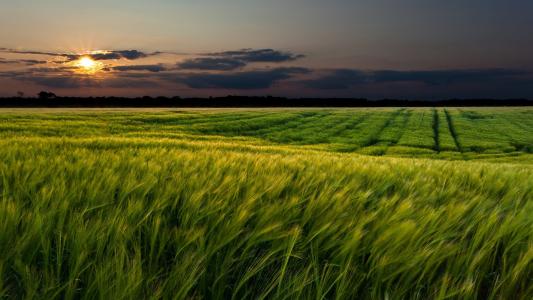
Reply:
x=493, y=134
x=396, y=203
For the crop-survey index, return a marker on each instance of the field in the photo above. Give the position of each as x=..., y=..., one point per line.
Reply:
x=395, y=203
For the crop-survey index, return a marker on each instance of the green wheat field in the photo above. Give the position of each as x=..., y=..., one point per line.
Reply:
x=390, y=203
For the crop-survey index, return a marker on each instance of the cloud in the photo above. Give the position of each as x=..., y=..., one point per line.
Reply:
x=149, y=68
x=232, y=60
x=259, y=55
x=440, y=77
x=12, y=74
x=103, y=55
x=118, y=54
x=27, y=62
x=338, y=79
x=212, y=63
x=31, y=62
x=129, y=83
x=71, y=81
x=346, y=78
x=34, y=52
x=259, y=79
x=61, y=81
x=110, y=55
x=51, y=70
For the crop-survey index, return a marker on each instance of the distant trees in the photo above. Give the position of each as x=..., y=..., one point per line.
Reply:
x=46, y=95
x=49, y=99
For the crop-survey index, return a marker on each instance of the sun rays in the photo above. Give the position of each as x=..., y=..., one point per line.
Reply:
x=87, y=65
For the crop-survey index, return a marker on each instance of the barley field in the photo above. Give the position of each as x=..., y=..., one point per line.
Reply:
x=391, y=203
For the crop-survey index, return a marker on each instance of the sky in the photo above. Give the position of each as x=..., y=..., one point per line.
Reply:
x=416, y=49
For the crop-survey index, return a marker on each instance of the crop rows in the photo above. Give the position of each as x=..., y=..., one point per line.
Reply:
x=266, y=204
x=452, y=133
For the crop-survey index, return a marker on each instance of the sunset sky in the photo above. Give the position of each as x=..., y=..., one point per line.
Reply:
x=423, y=49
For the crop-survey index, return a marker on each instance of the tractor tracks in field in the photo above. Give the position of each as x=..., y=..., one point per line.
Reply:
x=453, y=131
x=406, y=117
x=351, y=124
x=298, y=121
x=329, y=123
x=435, y=126
x=375, y=137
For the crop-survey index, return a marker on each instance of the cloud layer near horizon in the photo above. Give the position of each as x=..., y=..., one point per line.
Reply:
x=249, y=70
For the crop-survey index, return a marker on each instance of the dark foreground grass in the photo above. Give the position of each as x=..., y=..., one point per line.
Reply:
x=108, y=215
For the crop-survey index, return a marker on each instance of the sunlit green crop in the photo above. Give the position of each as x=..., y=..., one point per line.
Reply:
x=267, y=204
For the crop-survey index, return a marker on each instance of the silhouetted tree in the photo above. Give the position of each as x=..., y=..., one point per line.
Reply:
x=46, y=95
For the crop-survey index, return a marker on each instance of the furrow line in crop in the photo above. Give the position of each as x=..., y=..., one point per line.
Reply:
x=436, y=130
x=453, y=131
x=406, y=116
x=299, y=121
x=374, y=138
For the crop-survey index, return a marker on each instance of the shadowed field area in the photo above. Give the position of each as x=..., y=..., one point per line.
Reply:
x=267, y=204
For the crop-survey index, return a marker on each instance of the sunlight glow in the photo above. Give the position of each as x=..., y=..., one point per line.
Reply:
x=87, y=65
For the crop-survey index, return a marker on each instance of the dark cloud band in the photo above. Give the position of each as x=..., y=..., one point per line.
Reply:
x=250, y=80
x=346, y=78
x=148, y=68
x=127, y=54
x=259, y=55
x=212, y=63
x=27, y=62
x=232, y=60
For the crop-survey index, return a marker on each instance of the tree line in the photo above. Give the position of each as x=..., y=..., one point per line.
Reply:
x=49, y=99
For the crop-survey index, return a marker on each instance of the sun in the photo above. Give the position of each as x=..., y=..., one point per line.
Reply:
x=86, y=62
x=87, y=65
